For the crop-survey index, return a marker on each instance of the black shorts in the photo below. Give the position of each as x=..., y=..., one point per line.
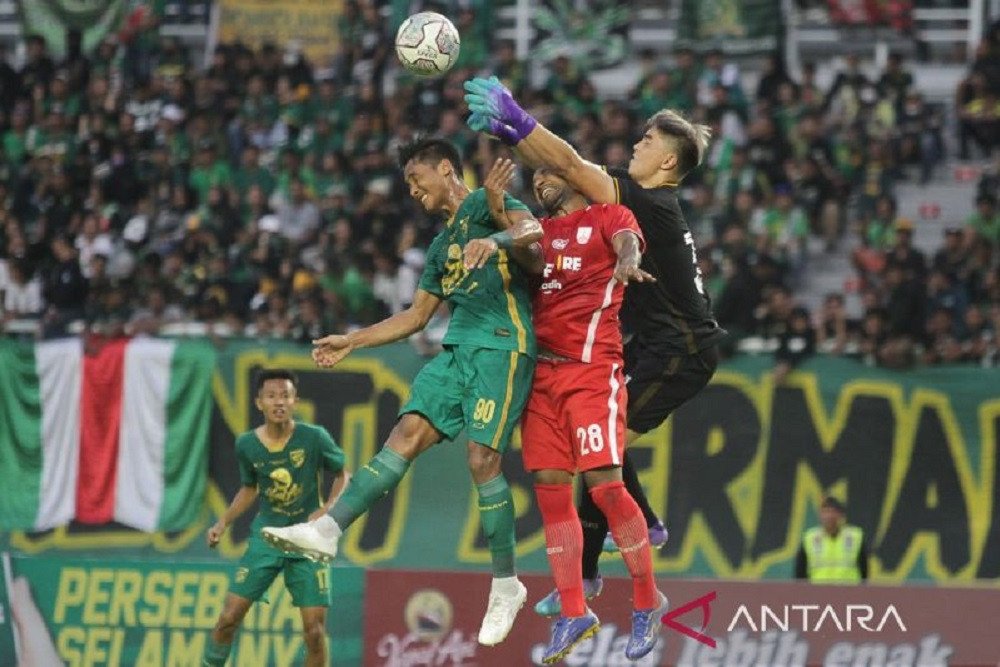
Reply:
x=658, y=384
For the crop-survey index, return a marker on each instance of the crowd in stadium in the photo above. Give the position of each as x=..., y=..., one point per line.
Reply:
x=260, y=196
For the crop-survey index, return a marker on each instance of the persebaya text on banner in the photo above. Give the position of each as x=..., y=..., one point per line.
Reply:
x=151, y=613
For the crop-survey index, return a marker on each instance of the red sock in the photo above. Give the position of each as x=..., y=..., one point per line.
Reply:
x=632, y=537
x=564, y=542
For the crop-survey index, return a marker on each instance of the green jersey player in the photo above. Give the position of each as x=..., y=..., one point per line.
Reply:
x=479, y=382
x=280, y=462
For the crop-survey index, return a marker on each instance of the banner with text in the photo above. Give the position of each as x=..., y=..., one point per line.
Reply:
x=737, y=474
x=736, y=27
x=431, y=618
x=312, y=24
x=152, y=613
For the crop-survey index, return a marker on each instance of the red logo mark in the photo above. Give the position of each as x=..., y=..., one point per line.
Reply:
x=705, y=602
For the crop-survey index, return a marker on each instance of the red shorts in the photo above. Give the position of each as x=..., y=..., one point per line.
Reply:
x=575, y=417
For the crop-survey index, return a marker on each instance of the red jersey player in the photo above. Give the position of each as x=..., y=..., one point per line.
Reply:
x=575, y=417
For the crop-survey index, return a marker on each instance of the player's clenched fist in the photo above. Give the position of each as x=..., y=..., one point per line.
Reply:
x=215, y=533
x=478, y=252
x=330, y=350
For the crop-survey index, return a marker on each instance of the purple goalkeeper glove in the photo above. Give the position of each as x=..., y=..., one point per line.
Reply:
x=489, y=125
x=488, y=98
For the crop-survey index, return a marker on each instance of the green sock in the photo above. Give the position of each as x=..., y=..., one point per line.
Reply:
x=496, y=513
x=371, y=482
x=216, y=654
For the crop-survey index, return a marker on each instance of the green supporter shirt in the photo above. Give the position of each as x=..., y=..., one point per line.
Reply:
x=988, y=228
x=203, y=179
x=287, y=481
x=491, y=306
x=15, y=146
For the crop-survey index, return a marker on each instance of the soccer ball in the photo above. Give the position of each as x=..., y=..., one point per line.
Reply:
x=427, y=44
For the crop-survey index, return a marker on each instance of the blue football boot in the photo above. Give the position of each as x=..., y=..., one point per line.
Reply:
x=646, y=626
x=567, y=632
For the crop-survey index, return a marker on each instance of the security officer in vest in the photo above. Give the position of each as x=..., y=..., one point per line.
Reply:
x=834, y=552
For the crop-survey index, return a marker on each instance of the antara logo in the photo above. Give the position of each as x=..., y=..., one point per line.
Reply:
x=804, y=617
x=813, y=618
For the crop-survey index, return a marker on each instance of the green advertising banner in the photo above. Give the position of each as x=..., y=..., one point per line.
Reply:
x=8, y=648
x=51, y=19
x=159, y=612
x=737, y=474
x=737, y=27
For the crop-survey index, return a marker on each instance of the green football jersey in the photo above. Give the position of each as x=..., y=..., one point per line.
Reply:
x=491, y=306
x=287, y=481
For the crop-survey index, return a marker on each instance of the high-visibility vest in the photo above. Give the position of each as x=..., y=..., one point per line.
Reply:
x=833, y=559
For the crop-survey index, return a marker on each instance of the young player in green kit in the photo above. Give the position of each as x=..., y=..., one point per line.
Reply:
x=479, y=382
x=281, y=463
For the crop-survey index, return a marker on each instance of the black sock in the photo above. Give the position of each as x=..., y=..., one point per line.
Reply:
x=595, y=528
x=635, y=490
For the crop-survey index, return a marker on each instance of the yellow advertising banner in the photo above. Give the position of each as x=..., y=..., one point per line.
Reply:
x=311, y=23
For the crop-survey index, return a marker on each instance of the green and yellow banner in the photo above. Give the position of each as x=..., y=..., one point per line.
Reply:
x=736, y=27
x=737, y=474
x=150, y=613
x=312, y=24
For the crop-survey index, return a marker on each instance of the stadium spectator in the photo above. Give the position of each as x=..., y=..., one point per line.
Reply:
x=157, y=314
x=979, y=337
x=834, y=329
x=65, y=287
x=895, y=82
x=773, y=78
x=904, y=304
x=902, y=253
x=795, y=345
x=951, y=257
x=984, y=224
x=22, y=293
x=874, y=335
x=39, y=69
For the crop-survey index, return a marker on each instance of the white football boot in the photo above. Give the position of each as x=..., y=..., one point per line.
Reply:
x=507, y=596
x=316, y=540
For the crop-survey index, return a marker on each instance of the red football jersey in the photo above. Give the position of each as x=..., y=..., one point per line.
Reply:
x=576, y=307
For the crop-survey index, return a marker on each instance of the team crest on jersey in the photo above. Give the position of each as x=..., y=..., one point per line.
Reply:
x=583, y=234
x=560, y=244
x=298, y=457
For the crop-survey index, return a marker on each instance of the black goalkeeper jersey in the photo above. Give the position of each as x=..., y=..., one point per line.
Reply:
x=673, y=314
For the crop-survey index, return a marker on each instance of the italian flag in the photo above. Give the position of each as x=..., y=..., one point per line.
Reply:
x=117, y=433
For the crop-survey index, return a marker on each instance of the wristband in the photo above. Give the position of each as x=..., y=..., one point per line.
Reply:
x=503, y=239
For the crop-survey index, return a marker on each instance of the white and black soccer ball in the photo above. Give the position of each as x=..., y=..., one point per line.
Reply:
x=427, y=44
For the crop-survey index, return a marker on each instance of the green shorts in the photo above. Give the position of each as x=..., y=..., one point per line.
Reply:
x=306, y=581
x=481, y=390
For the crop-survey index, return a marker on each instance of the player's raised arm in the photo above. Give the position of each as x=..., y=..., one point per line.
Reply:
x=331, y=350
x=520, y=232
x=495, y=112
